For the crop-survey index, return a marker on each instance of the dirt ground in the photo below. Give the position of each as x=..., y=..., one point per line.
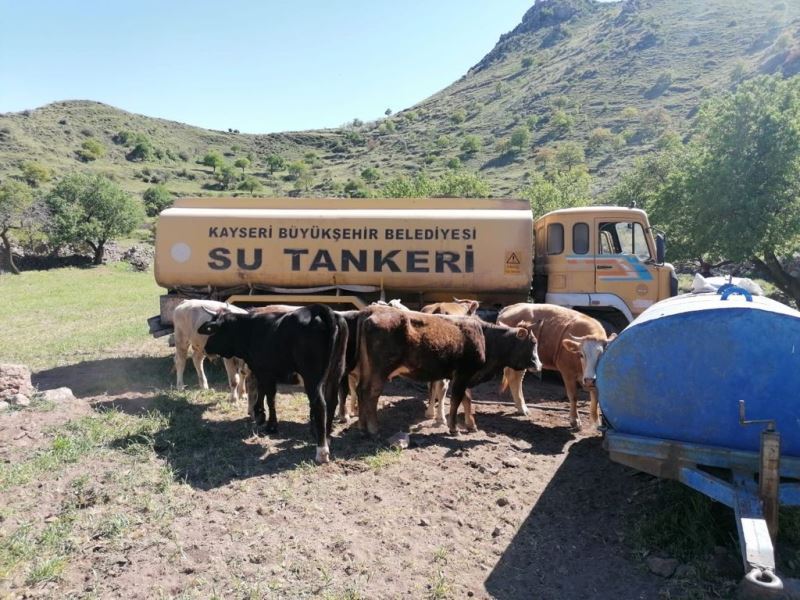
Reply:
x=525, y=508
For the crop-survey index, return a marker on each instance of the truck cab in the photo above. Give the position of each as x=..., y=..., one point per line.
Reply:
x=604, y=261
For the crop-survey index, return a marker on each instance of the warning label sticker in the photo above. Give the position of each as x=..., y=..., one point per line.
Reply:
x=512, y=264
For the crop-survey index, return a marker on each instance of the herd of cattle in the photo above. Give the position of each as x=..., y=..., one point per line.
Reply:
x=350, y=355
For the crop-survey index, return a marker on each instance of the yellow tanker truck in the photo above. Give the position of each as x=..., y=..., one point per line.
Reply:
x=604, y=261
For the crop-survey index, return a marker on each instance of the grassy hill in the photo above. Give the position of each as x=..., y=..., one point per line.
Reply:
x=617, y=78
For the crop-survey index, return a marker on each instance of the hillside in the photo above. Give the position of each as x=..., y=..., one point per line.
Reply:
x=616, y=78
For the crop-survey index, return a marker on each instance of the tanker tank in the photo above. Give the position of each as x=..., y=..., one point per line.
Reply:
x=422, y=249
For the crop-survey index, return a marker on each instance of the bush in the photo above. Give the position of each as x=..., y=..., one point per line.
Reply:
x=527, y=62
x=599, y=138
x=142, y=150
x=156, y=199
x=275, y=162
x=388, y=126
x=35, y=173
x=90, y=150
x=370, y=175
x=454, y=163
x=355, y=189
x=458, y=116
x=443, y=141
x=227, y=176
x=251, y=184
x=562, y=120
x=531, y=122
x=471, y=145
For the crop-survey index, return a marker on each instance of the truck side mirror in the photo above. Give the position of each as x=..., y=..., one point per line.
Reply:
x=661, y=248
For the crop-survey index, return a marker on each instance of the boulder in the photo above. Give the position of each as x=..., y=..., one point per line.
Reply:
x=20, y=400
x=663, y=567
x=4, y=406
x=14, y=379
x=62, y=394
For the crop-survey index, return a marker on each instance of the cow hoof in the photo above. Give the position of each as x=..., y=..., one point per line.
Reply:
x=453, y=431
x=472, y=429
x=323, y=456
x=441, y=422
x=430, y=413
x=575, y=425
x=523, y=411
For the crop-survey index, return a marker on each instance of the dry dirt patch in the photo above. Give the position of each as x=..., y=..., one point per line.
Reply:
x=171, y=495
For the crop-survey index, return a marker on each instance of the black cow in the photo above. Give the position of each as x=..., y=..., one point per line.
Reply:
x=309, y=341
x=425, y=347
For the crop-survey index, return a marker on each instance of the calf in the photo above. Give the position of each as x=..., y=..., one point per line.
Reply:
x=437, y=390
x=189, y=315
x=569, y=342
x=309, y=341
x=428, y=348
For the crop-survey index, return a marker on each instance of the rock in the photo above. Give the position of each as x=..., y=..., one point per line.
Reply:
x=663, y=567
x=139, y=257
x=512, y=462
x=685, y=572
x=424, y=522
x=502, y=502
x=400, y=440
x=497, y=532
x=4, y=405
x=20, y=400
x=14, y=379
x=62, y=394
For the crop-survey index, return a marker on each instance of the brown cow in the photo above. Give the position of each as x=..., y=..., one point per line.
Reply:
x=569, y=342
x=437, y=390
x=426, y=347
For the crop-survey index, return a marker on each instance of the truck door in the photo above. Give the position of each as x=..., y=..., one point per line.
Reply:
x=624, y=264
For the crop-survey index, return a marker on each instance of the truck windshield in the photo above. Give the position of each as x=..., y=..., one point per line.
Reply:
x=624, y=237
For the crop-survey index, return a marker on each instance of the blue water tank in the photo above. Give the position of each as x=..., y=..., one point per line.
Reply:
x=679, y=370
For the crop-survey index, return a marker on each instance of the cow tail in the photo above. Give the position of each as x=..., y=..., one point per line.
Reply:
x=336, y=355
x=504, y=383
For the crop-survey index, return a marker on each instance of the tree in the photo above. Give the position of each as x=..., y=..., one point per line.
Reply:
x=569, y=155
x=554, y=190
x=461, y=185
x=370, y=175
x=527, y=62
x=91, y=209
x=227, y=175
x=296, y=169
x=388, y=112
x=520, y=138
x=156, y=199
x=275, y=162
x=214, y=160
x=734, y=192
x=34, y=173
x=16, y=200
x=91, y=150
x=471, y=145
x=599, y=138
x=251, y=184
x=242, y=163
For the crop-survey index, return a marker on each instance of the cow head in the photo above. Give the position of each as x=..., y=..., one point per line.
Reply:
x=589, y=349
x=470, y=306
x=223, y=334
x=527, y=357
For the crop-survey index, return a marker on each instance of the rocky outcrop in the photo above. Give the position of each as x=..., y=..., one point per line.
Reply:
x=15, y=380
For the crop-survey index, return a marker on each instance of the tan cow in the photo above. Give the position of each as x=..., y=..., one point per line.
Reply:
x=188, y=316
x=569, y=342
x=437, y=390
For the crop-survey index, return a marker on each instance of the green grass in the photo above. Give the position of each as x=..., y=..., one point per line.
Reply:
x=62, y=316
x=383, y=458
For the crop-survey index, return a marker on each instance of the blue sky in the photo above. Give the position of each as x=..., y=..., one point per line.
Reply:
x=255, y=66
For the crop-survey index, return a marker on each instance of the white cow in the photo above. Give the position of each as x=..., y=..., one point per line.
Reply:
x=188, y=316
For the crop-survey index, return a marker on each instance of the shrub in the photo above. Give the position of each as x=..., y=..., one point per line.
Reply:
x=296, y=169
x=531, y=122
x=599, y=137
x=142, y=149
x=454, y=163
x=443, y=141
x=227, y=175
x=275, y=162
x=471, y=145
x=90, y=150
x=527, y=62
x=370, y=175
x=630, y=112
x=355, y=189
x=388, y=126
x=35, y=173
x=562, y=120
x=250, y=184
x=156, y=199
x=458, y=116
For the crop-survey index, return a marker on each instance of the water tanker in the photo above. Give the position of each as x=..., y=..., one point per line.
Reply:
x=679, y=370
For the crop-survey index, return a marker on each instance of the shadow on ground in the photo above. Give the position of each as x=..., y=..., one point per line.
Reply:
x=123, y=375
x=563, y=550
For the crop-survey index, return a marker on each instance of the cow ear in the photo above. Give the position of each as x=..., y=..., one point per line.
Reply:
x=571, y=346
x=611, y=338
x=473, y=307
x=522, y=333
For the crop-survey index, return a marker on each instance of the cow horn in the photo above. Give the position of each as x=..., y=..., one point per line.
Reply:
x=576, y=338
x=213, y=313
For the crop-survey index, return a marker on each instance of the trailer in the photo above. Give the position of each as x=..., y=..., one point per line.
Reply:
x=703, y=389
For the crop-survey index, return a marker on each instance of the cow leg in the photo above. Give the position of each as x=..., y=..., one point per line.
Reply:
x=241, y=369
x=181, y=351
x=593, y=407
x=469, y=415
x=198, y=358
x=514, y=380
x=352, y=382
x=436, y=394
x=348, y=393
x=440, y=399
x=318, y=421
x=253, y=394
x=232, y=371
x=270, y=389
x=368, y=393
x=572, y=396
x=456, y=396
